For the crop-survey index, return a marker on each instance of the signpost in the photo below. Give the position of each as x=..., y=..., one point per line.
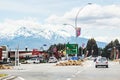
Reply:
x=71, y=48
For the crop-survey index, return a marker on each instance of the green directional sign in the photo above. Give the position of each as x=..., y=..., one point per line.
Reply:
x=71, y=48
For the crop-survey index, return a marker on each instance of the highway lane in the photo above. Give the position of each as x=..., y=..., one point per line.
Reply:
x=52, y=72
x=101, y=73
x=44, y=71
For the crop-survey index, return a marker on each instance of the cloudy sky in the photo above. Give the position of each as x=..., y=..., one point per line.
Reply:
x=100, y=20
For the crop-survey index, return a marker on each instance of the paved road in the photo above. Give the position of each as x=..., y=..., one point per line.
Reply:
x=52, y=72
x=91, y=73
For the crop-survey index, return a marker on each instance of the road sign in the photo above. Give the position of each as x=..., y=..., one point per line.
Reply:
x=71, y=48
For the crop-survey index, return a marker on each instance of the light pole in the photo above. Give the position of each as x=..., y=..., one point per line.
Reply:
x=76, y=18
x=17, y=56
x=78, y=14
x=76, y=36
x=71, y=26
x=114, y=52
x=75, y=26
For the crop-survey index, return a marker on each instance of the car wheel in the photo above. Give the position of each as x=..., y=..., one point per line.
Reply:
x=96, y=66
x=106, y=66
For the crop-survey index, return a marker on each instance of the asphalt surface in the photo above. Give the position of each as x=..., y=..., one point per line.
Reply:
x=49, y=71
x=101, y=73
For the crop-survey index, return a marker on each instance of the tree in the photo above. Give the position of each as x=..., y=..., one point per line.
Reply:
x=109, y=49
x=92, y=47
x=59, y=47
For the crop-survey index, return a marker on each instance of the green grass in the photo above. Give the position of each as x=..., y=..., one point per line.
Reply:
x=3, y=75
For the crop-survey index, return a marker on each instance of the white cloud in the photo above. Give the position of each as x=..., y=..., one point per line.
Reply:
x=101, y=22
x=20, y=6
x=11, y=28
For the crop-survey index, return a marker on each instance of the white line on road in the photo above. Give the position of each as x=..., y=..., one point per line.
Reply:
x=79, y=71
x=21, y=78
x=68, y=79
x=82, y=69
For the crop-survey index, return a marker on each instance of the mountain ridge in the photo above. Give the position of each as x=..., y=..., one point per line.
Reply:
x=33, y=38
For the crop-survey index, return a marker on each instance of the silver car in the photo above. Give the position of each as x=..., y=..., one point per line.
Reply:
x=33, y=60
x=101, y=61
x=52, y=60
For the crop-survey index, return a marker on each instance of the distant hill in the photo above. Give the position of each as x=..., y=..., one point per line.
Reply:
x=25, y=37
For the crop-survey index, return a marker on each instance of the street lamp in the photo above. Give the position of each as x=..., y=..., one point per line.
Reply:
x=75, y=26
x=71, y=26
x=79, y=12
x=17, y=56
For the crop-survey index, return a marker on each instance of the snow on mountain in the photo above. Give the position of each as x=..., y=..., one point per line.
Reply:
x=37, y=37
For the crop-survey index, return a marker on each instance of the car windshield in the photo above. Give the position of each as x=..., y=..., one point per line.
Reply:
x=51, y=58
x=102, y=59
x=33, y=59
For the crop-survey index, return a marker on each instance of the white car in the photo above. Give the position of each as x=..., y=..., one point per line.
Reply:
x=33, y=60
x=101, y=61
x=52, y=60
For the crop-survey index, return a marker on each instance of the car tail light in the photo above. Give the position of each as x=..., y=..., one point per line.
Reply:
x=96, y=62
x=106, y=62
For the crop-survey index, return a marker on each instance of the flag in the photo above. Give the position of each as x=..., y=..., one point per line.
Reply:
x=78, y=31
x=55, y=49
x=117, y=56
x=83, y=44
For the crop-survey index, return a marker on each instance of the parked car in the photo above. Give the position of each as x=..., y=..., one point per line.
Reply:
x=52, y=60
x=33, y=60
x=101, y=61
x=41, y=59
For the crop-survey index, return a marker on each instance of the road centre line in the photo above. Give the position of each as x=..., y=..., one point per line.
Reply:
x=68, y=79
x=21, y=78
x=79, y=72
x=82, y=69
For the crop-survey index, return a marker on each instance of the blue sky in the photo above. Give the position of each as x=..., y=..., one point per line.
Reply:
x=99, y=20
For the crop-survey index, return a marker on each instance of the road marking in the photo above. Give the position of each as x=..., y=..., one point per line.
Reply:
x=81, y=70
x=21, y=78
x=68, y=79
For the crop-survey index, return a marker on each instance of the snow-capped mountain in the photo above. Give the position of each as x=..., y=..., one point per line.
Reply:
x=37, y=37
